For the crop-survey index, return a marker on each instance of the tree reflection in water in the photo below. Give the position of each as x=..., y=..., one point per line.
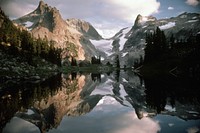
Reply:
x=77, y=94
x=20, y=98
x=181, y=95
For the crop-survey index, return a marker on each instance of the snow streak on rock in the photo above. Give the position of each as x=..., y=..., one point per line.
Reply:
x=123, y=38
x=167, y=26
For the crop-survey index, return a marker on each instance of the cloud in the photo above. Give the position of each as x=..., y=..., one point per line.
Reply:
x=112, y=117
x=108, y=16
x=192, y=2
x=127, y=10
x=15, y=8
x=170, y=8
x=114, y=14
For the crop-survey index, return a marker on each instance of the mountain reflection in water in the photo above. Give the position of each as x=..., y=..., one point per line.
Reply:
x=101, y=103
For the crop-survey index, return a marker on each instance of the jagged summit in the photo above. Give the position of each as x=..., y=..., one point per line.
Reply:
x=42, y=6
x=45, y=8
x=43, y=15
x=46, y=22
x=141, y=20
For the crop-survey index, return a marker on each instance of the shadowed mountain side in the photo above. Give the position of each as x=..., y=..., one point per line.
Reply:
x=181, y=27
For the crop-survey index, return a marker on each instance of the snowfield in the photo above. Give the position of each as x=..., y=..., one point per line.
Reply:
x=28, y=24
x=167, y=26
x=103, y=45
x=192, y=21
x=123, y=39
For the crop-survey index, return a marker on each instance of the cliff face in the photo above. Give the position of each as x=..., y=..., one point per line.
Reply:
x=46, y=22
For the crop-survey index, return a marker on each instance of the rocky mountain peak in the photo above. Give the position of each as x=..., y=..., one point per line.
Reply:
x=46, y=22
x=138, y=20
x=42, y=7
x=42, y=4
x=141, y=20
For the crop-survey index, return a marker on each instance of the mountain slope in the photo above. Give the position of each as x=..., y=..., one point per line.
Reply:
x=46, y=22
x=84, y=27
x=181, y=27
x=129, y=43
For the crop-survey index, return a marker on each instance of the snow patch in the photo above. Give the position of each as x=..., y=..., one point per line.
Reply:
x=103, y=45
x=102, y=76
x=144, y=26
x=124, y=80
x=193, y=112
x=194, y=17
x=151, y=31
x=122, y=91
x=171, y=124
x=123, y=39
x=192, y=21
x=183, y=16
x=123, y=95
x=124, y=54
x=167, y=26
x=169, y=108
x=28, y=24
x=29, y=112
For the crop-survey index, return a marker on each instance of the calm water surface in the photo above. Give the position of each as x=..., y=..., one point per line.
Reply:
x=118, y=102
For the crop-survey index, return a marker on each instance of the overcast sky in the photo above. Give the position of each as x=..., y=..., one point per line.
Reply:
x=107, y=16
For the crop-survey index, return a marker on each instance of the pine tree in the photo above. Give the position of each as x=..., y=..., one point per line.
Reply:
x=156, y=45
x=117, y=62
x=73, y=62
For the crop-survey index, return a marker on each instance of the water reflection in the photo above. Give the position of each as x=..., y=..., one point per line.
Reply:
x=114, y=102
x=176, y=97
x=108, y=116
x=21, y=98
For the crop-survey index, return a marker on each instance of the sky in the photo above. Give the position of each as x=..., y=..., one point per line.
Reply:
x=107, y=16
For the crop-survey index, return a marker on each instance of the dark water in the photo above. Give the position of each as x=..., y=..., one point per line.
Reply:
x=118, y=102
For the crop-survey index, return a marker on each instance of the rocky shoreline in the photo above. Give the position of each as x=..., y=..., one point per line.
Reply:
x=15, y=70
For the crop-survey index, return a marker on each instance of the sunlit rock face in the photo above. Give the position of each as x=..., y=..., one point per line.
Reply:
x=65, y=100
x=85, y=28
x=46, y=22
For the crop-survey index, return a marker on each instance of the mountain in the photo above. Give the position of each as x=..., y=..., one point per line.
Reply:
x=46, y=22
x=181, y=27
x=83, y=41
x=84, y=27
x=129, y=42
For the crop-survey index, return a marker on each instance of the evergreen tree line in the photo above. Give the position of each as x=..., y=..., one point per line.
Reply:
x=156, y=45
x=171, y=52
x=20, y=42
x=94, y=60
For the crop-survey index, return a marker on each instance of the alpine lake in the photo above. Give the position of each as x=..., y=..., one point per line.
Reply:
x=115, y=102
